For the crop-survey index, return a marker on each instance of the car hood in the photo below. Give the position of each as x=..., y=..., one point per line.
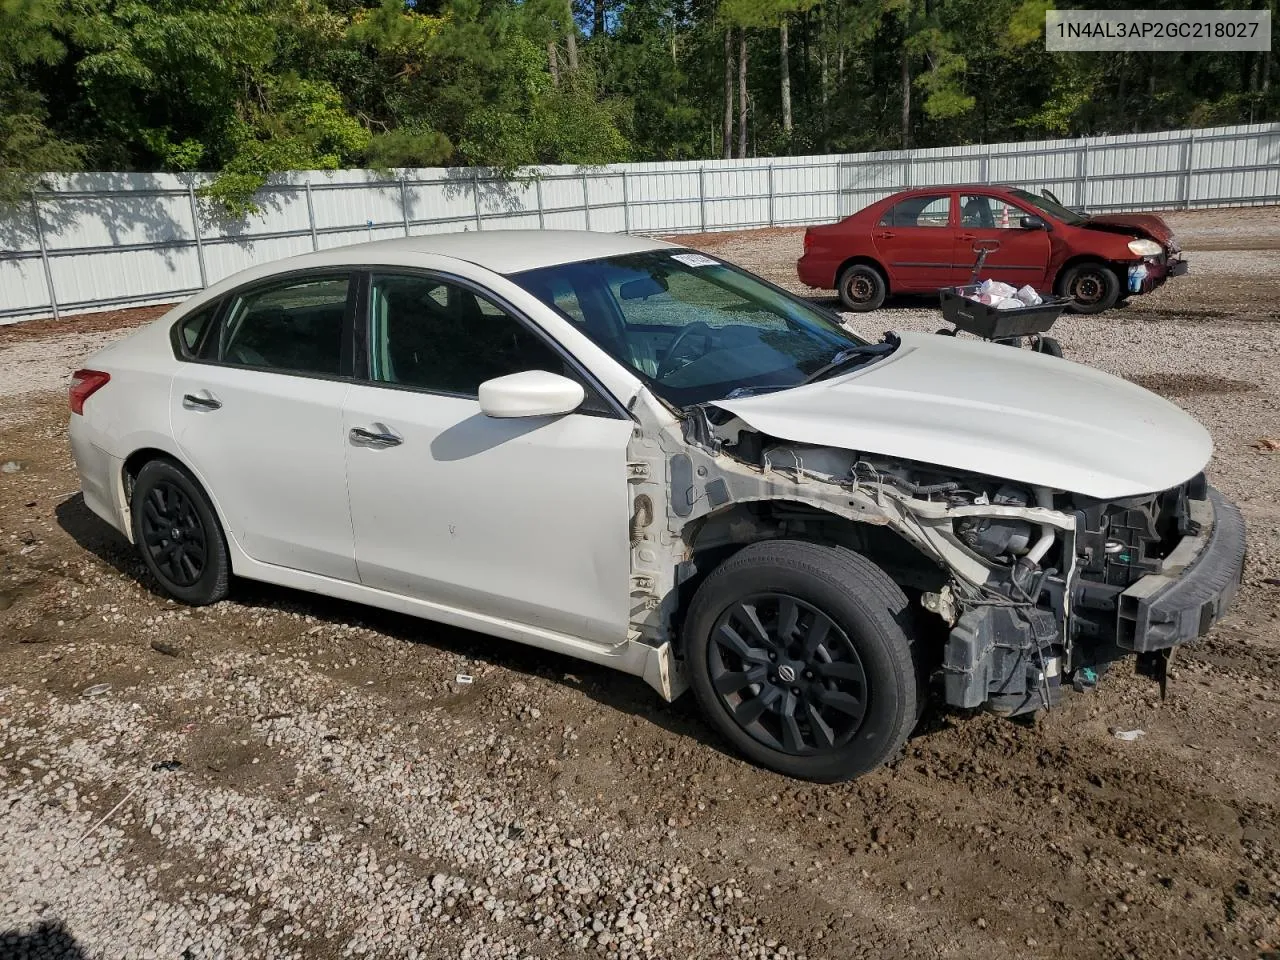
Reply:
x=1138, y=224
x=994, y=410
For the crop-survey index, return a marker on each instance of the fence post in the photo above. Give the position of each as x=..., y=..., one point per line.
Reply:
x=906, y=169
x=311, y=218
x=771, y=193
x=475, y=193
x=702, y=199
x=626, y=205
x=985, y=164
x=1188, y=170
x=542, y=216
x=404, y=203
x=44, y=257
x=586, y=200
x=1082, y=188
x=841, y=188
x=195, y=228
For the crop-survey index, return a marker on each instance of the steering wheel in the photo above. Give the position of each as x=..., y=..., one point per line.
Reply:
x=665, y=366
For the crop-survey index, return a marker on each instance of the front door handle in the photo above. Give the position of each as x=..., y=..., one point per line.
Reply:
x=968, y=236
x=194, y=401
x=886, y=235
x=380, y=436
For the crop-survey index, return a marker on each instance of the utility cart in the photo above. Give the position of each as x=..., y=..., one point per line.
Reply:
x=1011, y=327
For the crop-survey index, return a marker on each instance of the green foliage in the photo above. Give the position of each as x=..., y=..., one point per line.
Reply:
x=247, y=89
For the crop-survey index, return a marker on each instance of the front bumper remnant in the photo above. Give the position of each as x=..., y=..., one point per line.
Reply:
x=1012, y=659
x=1194, y=586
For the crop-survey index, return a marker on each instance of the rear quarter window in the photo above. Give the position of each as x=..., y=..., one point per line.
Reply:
x=189, y=332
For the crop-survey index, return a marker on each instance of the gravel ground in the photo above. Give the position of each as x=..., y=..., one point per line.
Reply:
x=287, y=776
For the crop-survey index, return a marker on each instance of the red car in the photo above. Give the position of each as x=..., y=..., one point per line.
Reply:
x=919, y=240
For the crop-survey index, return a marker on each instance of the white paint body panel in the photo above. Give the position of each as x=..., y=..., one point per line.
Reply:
x=524, y=518
x=994, y=410
x=273, y=455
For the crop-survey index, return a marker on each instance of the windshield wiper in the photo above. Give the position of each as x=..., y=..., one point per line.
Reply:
x=847, y=356
x=737, y=392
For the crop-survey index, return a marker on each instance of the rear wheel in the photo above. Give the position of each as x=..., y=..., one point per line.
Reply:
x=1092, y=287
x=862, y=287
x=799, y=657
x=178, y=535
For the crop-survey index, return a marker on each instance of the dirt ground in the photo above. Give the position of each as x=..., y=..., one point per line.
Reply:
x=285, y=775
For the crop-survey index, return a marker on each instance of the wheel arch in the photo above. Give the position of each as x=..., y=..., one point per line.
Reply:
x=132, y=467
x=870, y=262
x=1082, y=258
x=721, y=534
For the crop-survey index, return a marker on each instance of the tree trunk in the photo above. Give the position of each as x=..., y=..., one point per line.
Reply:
x=728, y=93
x=906, y=99
x=597, y=22
x=742, y=93
x=553, y=63
x=784, y=70
x=571, y=42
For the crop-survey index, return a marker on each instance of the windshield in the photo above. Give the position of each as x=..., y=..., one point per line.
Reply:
x=1055, y=210
x=693, y=328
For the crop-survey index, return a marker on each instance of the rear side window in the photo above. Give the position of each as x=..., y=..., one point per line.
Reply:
x=191, y=329
x=928, y=211
x=293, y=327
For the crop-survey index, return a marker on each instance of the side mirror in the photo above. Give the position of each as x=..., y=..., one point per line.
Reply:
x=533, y=393
x=1033, y=223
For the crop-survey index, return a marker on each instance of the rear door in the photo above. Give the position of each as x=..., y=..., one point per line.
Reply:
x=1014, y=255
x=914, y=240
x=257, y=414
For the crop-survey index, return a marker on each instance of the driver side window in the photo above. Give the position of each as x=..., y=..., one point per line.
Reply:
x=430, y=334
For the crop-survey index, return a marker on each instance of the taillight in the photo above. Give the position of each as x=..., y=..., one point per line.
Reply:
x=808, y=241
x=84, y=384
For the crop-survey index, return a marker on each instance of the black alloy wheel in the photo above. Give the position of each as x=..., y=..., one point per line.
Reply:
x=802, y=656
x=173, y=534
x=178, y=534
x=788, y=674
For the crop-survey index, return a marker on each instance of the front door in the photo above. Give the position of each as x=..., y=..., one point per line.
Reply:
x=914, y=241
x=259, y=419
x=521, y=519
x=1015, y=255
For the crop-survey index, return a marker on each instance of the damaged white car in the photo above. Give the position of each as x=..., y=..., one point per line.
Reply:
x=635, y=454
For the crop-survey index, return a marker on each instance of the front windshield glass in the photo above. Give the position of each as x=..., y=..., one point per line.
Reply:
x=1055, y=210
x=693, y=328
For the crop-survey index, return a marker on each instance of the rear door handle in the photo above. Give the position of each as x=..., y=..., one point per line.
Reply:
x=379, y=436
x=194, y=401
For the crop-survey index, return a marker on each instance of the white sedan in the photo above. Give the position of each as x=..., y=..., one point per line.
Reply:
x=636, y=454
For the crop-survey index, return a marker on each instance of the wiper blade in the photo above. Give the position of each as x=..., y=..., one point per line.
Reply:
x=737, y=392
x=847, y=357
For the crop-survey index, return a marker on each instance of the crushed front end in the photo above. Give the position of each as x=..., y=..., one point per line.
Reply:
x=1134, y=576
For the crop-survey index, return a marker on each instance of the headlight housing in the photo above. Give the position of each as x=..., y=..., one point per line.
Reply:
x=1145, y=248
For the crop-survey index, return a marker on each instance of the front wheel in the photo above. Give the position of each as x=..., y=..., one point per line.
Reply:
x=861, y=287
x=799, y=657
x=1092, y=287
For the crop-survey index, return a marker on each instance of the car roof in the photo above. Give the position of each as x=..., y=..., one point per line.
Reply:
x=502, y=251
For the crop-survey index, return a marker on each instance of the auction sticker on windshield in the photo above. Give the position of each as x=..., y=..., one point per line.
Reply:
x=695, y=260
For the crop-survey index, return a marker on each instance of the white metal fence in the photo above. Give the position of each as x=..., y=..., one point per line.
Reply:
x=102, y=240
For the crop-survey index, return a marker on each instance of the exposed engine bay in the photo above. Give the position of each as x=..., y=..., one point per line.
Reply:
x=1028, y=585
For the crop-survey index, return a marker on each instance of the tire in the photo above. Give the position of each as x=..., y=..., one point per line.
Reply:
x=945, y=332
x=1049, y=346
x=193, y=567
x=1093, y=287
x=862, y=287
x=860, y=682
